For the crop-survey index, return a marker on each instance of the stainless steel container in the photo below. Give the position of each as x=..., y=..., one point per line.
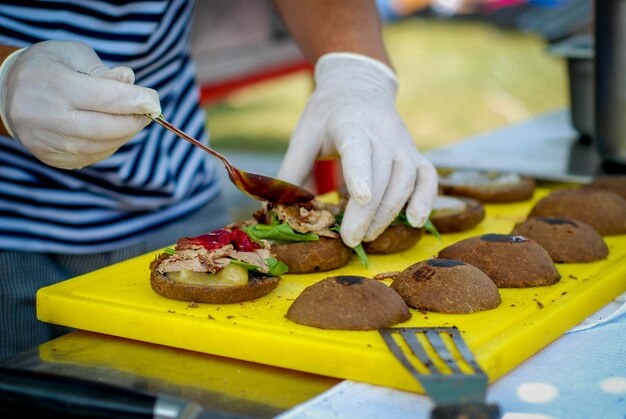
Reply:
x=610, y=80
x=578, y=51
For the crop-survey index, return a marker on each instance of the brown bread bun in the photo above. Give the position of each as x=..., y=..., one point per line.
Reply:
x=348, y=303
x=603, y=210
x=613, y=183
x=162, y=285
x=566, y=241
x=491, y=187
x=394, y=239
x=320, y=255
x=510, y=261
x=446, y=286
x=455, y=220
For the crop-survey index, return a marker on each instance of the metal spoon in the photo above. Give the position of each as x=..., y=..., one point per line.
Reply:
x=261, y=187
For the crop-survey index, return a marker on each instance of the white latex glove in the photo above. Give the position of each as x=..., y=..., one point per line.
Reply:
x=352, y=113
x=63, y=104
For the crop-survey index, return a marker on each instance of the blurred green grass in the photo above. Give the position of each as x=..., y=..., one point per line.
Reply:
x=457, y=79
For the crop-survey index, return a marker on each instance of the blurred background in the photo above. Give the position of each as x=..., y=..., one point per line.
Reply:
x=465, y=67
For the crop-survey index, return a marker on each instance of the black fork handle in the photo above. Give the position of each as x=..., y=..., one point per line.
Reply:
x=56, y=396
x=466, y=411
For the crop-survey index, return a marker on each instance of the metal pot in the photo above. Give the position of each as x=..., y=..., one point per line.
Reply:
x=579, y=52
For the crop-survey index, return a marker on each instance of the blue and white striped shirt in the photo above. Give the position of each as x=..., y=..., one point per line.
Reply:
x=150, y=181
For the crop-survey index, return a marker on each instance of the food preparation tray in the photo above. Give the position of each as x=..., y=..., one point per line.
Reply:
x=117, y=300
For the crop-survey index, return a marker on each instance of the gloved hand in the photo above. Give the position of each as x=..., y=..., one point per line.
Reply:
x=63, y=104
x=352, y=113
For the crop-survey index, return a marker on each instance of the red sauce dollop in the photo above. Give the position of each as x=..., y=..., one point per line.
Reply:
x=219, y=238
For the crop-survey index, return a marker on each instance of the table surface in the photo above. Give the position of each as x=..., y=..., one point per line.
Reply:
x=581, y=372
x=545, y=147
x=580, y=375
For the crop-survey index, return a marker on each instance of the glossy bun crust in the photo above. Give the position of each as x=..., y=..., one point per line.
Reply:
x=196, y=293
x=446, y=286
x=348, y=303
x=566, y=241
x=613, y=183
x=394, y=239
x=603, y=210
x=313, y=256
x=455, y=222
x=510, y=261
x=494, y=193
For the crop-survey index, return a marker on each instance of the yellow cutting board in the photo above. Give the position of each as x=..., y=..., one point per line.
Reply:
x=117, y=300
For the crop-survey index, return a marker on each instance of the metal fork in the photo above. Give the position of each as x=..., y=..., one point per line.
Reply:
x=457, y=392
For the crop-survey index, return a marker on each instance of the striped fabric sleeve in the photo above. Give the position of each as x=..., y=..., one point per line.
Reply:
x=152, y=180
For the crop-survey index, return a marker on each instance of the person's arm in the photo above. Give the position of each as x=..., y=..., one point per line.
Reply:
x=322, y=26
x=5, y=51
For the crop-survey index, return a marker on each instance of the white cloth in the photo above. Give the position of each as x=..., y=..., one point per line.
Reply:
x=580, y=375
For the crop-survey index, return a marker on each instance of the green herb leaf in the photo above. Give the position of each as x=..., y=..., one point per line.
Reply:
x=276, y=267
x=169, y=251
x=245, y=265
x=402, y=219
x=358, y=249
x=430, y=227
x=277, y=232
x=360, y=252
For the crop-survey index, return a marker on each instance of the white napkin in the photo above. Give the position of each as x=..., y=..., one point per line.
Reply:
x=602, y=316
x=580, y=375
